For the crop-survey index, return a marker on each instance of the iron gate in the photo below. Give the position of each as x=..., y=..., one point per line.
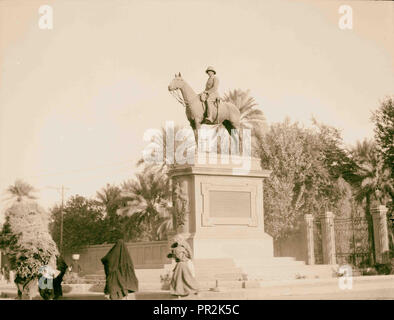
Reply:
x=318, y=243
x=351, y=241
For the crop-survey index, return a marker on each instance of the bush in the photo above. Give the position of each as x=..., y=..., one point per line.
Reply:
x=26, y=239
x=384, y=268
x=369, y=272
x=27, y=243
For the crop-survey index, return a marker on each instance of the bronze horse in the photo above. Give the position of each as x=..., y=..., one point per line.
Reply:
x=226, y=114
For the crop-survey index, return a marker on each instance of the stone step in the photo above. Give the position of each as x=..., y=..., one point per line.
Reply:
x=217, y=270
x=221, y=276
x=214, y=262
x=288, y=275
x=93, y=277
x=230, y=261
x=278, y=268
x=270, y=262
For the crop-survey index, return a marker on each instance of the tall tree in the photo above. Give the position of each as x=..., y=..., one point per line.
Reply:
x=373, y=182
x=301, y=181
x=383, y=119
x=110, y=199
x=82, y=223
x=150, y=198
x=169, y=216
x=25, y=239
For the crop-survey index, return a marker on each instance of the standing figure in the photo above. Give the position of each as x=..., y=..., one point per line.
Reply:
x=119, y=272
x=210, y=94
x=75, y=268
x=57, y=282
x=183, y=282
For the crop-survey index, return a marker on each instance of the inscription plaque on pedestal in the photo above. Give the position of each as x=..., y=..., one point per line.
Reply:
x=230, y=204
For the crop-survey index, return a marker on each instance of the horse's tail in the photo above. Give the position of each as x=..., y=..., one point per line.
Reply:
x=230, y=112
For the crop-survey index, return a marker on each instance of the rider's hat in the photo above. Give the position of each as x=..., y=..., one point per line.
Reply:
x=210, y=68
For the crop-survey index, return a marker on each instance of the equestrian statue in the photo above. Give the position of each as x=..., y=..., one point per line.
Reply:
x=206, y=107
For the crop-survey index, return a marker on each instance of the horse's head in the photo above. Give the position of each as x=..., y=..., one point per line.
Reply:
x=176, y=83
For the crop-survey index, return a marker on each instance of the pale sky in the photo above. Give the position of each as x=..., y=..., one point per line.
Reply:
x=76, y=100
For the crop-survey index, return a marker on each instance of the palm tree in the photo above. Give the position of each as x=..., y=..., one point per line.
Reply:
x=149, y=198
x=20, y=190
x=373, y=181
x=373, y=178
x=110, y=198
x=168, y=217
x=252, y=118
x=177, y=212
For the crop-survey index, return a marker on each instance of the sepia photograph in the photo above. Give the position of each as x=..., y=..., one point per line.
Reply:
x=197, y=154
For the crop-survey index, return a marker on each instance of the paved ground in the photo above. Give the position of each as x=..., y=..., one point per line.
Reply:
x=365, y=288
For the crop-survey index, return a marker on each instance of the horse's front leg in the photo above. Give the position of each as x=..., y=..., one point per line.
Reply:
x=195, y=131
x=197, y=125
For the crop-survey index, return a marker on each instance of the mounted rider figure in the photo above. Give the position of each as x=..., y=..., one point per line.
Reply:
x=210, y=95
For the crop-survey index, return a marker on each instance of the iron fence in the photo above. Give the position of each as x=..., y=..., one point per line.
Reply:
x=351, y=241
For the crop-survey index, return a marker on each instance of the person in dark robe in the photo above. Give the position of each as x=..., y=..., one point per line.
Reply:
x=57, y=282
x=119, y=272
x=183, y=282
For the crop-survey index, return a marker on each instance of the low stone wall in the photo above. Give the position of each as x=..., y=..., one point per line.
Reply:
x=145, y=255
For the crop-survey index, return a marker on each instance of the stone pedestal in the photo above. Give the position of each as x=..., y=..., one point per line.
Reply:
x=225, y=216
x=308, y=218
x=381, y=238
x=328, y=238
